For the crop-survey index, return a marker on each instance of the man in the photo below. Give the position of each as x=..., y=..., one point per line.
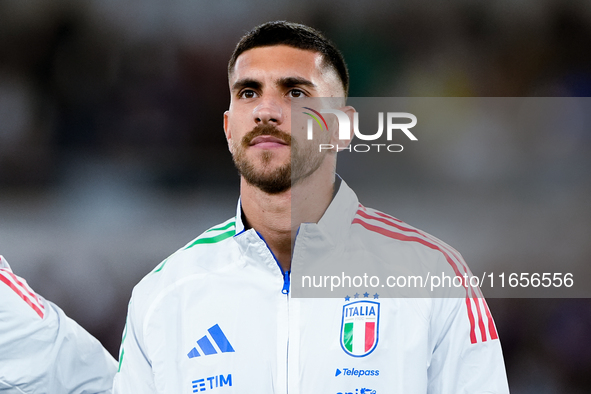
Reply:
x=219, y=315
x=44, y=351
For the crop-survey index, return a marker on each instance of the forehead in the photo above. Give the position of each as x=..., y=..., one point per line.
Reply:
x=279, y=61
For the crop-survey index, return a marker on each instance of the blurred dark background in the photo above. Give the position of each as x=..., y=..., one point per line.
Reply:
x=112, y=154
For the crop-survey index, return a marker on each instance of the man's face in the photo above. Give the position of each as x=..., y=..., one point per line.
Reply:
x=258, y=123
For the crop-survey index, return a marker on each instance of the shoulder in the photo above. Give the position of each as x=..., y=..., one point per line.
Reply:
x=18, y=298
x=387, y=233
x=200, y=252
x=214, y=239
x=208, y=252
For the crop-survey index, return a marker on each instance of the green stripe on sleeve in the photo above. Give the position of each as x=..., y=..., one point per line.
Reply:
x=121, y=359
x=159, y=268
x=122, y=349
x=212, y=240
x=202, y=240
x=227, y=226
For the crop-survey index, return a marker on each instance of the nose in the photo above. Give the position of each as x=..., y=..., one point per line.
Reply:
x=269, y=110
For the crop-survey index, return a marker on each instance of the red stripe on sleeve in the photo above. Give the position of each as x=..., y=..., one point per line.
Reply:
x=456, y=255
x=3, y=278
x=472, y=322
x=491, y=324
x=25, y=288
x=403, y=237
x=480, y=320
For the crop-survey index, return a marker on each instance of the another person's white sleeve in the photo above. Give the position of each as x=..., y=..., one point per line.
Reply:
x=44, y=351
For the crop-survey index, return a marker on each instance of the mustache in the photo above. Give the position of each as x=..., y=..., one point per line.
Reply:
x=266, y=129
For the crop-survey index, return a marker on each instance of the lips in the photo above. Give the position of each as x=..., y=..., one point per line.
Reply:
x=266, y=141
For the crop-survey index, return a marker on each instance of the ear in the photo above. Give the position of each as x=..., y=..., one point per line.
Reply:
x=349, y=111
x=227, y=131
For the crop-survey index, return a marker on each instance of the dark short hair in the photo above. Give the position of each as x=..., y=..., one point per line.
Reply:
x=297, y=36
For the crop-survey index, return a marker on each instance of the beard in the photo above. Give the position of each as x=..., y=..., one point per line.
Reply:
x=303, y=162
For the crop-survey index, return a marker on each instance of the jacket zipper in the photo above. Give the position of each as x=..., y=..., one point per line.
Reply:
x=284, y=290
x=285, y=274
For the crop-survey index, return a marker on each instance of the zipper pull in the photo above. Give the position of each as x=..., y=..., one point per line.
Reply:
x=285, y=289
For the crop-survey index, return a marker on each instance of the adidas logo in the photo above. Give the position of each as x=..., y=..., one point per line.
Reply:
x=207, y=348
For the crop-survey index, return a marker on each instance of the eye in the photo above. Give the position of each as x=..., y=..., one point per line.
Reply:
x=296, y=93
x=247, y=94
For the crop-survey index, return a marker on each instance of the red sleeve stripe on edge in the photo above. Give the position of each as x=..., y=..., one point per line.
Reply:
x=451, y=255
x=23, y=291
x=456, y=254
x=440, y=245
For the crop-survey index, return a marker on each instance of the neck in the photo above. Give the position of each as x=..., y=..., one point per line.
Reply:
x=277, y=217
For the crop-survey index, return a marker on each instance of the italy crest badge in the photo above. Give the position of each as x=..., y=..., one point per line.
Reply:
x=360, y=327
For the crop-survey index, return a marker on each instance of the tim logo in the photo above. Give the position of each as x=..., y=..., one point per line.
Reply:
x=345, y=124
x=212, y=382
x=359, y=391
x=360, y=327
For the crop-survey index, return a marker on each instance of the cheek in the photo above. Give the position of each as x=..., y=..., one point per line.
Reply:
x=233, y=131
x=234, y=142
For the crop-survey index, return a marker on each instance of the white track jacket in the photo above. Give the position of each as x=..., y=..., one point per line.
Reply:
x=218, y=316
x=43, y=351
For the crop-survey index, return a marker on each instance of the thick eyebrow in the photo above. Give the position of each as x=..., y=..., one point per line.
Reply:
x=290, y=82
x=246, y=83
x=286, y=82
